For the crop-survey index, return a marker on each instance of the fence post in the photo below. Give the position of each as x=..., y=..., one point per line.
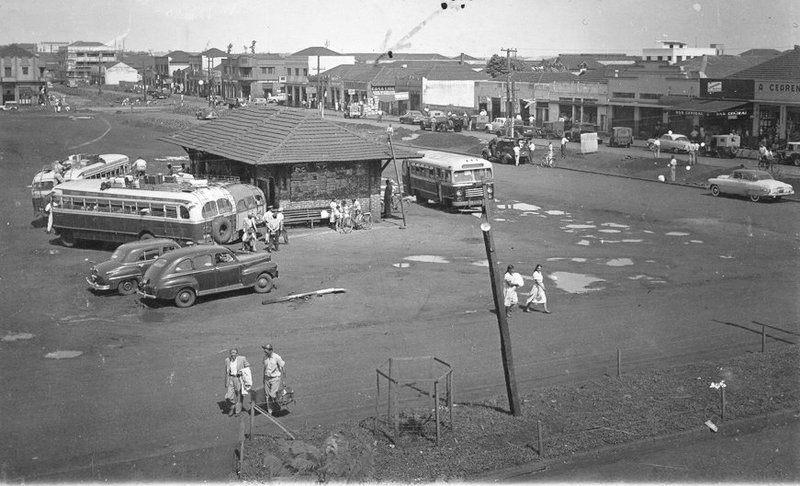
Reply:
x=763, y=338
x=539, y=435
x=722, y=415
x=436, y=410
x=619, y=363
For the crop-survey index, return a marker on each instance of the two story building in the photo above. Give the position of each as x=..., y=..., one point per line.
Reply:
x=21, y=77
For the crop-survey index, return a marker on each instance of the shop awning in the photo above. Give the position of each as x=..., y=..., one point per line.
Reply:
x=712, y=107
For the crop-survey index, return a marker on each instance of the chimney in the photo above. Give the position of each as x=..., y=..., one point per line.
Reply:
x=719, y=48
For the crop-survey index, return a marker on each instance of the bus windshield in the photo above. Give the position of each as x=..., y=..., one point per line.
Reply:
x=465, y=176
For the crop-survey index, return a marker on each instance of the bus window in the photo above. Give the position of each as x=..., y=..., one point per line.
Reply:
x=462, y=176
x=184, y=265
x=103, y=205
x=157, y=210
x=116, y=206
x=171, y=212
x=224, y=205
x=241, y=206
x=447, y=176
x=184, y=212
x=129, y=207
x=210, y=209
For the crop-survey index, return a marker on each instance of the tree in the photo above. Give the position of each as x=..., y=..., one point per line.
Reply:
x=497, y=66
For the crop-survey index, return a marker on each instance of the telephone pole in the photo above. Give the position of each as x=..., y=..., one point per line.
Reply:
x=509, y=101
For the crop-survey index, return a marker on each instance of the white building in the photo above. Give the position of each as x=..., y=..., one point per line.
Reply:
x=676, y=51
x=114, y=73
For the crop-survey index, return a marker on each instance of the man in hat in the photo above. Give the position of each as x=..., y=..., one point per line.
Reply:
x=249, y=233
x=238, y=381
x=274, y=368
x=281, y=228
x=274, y=224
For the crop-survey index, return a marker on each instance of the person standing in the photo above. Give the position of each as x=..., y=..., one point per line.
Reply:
x=550, y=155
x=387, y=199
x=334, y=214
x=538, y=296
x=140, y=167
x=564, y=141
x=48, y=209
x=656, y=148
x=273, y=231
x=237, y=372
x=516, y=153
x=274, y=368
x=282, y=229
x=249, y=233
x=673, y=165
x=511, y=281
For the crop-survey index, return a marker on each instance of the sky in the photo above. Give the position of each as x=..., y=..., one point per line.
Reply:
x=480, y=28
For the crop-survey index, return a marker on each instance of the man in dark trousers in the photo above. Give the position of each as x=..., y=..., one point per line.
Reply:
x=387, y=199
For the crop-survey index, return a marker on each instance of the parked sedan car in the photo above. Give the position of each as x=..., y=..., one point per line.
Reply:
x=752, y=183
x=206, y=114
x=9, y=106
x=791, y=154
x=501, y=150
x=183, y=275
x=671, y=142
x=127, y=265
x=412, y=117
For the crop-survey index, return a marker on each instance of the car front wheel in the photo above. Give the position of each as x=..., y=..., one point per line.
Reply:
x=715, y=191
x=185, y=298
x=264, y=283
x=755, y=197
x=127, y=287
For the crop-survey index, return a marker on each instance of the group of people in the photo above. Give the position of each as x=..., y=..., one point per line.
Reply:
x=273, y=222
x=513, y=280
x=239, y=380
x=339, y=211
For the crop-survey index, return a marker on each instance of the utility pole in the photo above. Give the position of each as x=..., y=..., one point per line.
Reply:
x=319, y=105
x=509, y=101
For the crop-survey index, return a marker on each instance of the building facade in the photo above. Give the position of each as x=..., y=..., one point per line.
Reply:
x=82, y=62
x=21, y=77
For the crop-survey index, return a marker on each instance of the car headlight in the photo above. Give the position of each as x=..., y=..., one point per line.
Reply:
x=489, y=189
x=459, y=193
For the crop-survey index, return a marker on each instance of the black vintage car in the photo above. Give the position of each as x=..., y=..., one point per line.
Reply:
x=501, y=149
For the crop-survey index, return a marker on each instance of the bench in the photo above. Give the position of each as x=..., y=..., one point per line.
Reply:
x=303, y=215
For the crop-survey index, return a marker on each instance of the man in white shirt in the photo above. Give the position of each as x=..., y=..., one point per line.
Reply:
x=564, y=141
x=511, y=281
x=140, y=167
x=274, y=368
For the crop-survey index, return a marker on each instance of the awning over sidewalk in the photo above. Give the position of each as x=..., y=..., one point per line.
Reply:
x=712, y=107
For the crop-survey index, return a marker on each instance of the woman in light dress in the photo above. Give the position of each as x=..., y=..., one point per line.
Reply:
x=538, y=296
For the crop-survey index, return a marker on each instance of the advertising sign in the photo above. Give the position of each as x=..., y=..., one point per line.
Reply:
x=741, y=89
x=777, y=90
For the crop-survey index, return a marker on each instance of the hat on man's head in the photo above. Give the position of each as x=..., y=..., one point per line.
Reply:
x=267, y=346
x=280, y=210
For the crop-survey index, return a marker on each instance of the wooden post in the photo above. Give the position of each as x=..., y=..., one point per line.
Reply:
x=722, y=415
x=619, y=363
x=252, y=413
x=505, y=337
x=450, y=397
x=539, y=436
x=390, y=391
x=396, y=417
x=763, y=338
x=397, y=173
x=241, y=445
x=436, y=409
x=377, y=402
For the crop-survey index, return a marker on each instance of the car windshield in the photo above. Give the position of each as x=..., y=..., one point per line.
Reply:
x=119, y=254
x=681, y=139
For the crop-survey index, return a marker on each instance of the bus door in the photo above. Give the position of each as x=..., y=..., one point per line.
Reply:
x=268, y=187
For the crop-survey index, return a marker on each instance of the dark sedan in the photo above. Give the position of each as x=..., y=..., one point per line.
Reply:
x=412, y=117
x=183, y=275
x=123, y=271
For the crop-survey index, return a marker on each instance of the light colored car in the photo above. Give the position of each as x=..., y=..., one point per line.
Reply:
x=791, y=154
x=671, y=142
x=183, y=275
x=9, y=106
x=127, y=265
x=752, y=183
x=498, y=126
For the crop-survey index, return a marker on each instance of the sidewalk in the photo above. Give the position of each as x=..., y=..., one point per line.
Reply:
x=753, y=450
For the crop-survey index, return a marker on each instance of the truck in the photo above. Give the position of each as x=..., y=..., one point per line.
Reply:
x=438, y=121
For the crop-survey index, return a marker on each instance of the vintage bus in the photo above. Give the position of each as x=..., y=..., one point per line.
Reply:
x=449, y=179
x=192, y=212
x=77, y=166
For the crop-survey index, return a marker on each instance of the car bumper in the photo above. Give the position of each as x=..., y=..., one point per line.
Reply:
x=145, y=295
x=97, y=286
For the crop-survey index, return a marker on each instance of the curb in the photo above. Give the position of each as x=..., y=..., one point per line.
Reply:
x=731, y=428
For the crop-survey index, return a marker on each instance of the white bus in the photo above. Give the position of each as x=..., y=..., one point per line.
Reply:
x=449, y=179
x=196, y=212
x=77, y=166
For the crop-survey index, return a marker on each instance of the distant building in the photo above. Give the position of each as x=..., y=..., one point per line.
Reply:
x=21, y=77
x=116, y=72
x=676, y=51
x=81, y=62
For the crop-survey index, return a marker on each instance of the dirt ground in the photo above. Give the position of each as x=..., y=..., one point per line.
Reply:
x=150, y=373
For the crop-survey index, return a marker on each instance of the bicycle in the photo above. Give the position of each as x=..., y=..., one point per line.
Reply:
x=397, y=200
x=548, y=160
x=360, y=221
x=766, y=162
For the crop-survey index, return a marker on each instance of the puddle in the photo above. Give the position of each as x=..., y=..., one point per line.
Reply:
x=523, y=207
x=401, y=265
x=426, y=259
x=647, y=278
x=481, y=263
x=555, y=212
x=63, y=354
x=17, y=337
x=619, y=262
x=647, y=231
x=53, y=252
x=584, y=242
x=615, y=225
x=575, y=283
x=609, y=241
x=632, y=241
x=677, y=233
x=726, y=257
x=580, y=226
x=530, y=213
x=554, y=259
x=411, y=136
x=695, y=241
x=500, y=220
x=608, y=231
x=578, y=260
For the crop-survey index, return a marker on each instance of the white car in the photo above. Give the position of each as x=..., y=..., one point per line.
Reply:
x=671, y=142
x=498, y=126
x=752, y=183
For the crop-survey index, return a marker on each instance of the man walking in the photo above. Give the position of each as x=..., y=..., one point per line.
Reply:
x=274, y=368
x=387, y=199
x=564, y=141
x=273, y=230
x=511, y=281
x=238, y=381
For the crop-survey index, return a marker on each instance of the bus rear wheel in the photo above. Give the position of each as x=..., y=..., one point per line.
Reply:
x=185, y=298
x=221, y=231
x=68, y=239
x=146, y=236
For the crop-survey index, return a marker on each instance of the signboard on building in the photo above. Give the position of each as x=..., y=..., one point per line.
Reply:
x=401, y=96
x=741, y=89
x=777, y=91
x=383, y=90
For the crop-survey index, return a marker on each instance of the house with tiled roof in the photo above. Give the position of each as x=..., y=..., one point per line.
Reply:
x=168, y=65
x=114, y=72
x=21, y=75
x=297, y=158
x=81, y=62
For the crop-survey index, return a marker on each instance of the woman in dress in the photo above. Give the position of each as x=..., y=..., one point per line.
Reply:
x=538, y=296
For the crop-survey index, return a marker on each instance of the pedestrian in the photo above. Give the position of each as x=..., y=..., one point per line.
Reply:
x=282, y=228
x=516, y=153
x=387, y=199
x=656, y=148
x=274, y=369
x=238, y=381
x=538, y=296
x=511, y=281
x=273, y=227
x=673, y=164
x=249, y=237
x=564, y=141
x=140, y=167
x=550, y=155
x=48, y=209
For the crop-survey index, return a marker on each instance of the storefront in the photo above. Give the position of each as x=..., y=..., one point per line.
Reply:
x=715, y=116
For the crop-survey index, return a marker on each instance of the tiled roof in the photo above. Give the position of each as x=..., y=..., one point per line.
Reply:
x=214, y=52
x=542, y=77
x=261, y=135
x=721, y=66
x=783, y=67
x=593, y=61
x=87, y=44
x=15, y=51
x=315, y=51
x=760, y=52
